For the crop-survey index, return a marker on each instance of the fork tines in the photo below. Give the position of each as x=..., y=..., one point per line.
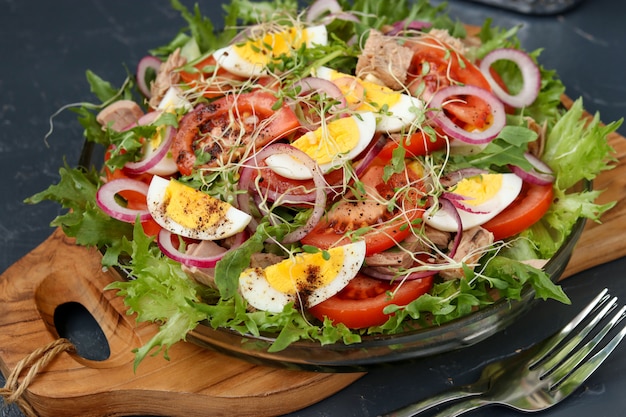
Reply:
x=558, y=360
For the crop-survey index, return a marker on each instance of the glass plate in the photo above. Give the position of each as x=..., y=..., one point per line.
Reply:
x=374, y=350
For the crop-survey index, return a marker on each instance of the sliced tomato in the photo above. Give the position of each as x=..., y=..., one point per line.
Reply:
x=418, y=144
x=382, y=228
x=278, y=121
x=360, y=304
x=435, y=65
x=271, y=181
x=217, y=82
x=529, y=206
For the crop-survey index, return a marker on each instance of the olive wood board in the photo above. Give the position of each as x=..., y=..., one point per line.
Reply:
x=194, y=381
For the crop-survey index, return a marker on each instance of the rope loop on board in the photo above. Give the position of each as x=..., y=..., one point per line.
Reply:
x=13, y=390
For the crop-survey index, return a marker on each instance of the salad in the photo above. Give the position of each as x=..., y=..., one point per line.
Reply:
x=330, y=172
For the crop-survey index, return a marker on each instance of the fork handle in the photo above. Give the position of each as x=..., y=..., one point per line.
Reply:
x=463, y=407
x=444, y=397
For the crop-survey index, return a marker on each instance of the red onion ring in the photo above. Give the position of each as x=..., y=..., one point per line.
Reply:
x=455, y=199
x=370, y=154
x=164, y=241
x=157, y=155
x=402, y=25
x=105, y=198
x=150, y=161
x=452, y=178
x=449, y=208
x=319, y=7
x=246, y=180
x=531, y=76
x=319, y=85
x=539, y=174
x=390, y=275
x=146, y=63
x=451, y=129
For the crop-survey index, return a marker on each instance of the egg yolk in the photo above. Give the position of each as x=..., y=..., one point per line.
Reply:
x=193, y=208
x=325, y=143
x=272, y=45
x=365, y=95
x=479, y=189
x=306, y=271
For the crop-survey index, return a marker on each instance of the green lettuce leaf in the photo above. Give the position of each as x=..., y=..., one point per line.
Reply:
x=159, y=292
x=84, y=220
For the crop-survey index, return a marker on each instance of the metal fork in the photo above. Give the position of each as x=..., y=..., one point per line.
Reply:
x=540, y=376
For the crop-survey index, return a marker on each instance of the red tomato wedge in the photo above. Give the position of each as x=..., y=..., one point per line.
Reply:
x=418, y=144
x=271, y=181
x=360, y=304
x=436, y=65
x=277, y=120
x=216, y=83
x=529, y=206
x=382, y=228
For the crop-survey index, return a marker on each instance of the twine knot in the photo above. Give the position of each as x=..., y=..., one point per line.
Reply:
x=13, y=390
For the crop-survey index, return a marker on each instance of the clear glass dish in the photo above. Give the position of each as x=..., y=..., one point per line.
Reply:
x=374, y=350
x=377, y=350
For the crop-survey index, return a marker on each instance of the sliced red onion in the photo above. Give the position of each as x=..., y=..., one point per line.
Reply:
x=148, y=118
x=319, y=85
x=540, y=174
x=319, y=205
x=456, y=199
x=450, y=209
x=455, y=131
x=402, y=25
x=274, y=196
x=319, y=7
x=388, y=274
x=452, y=178
x=105, y=198
x=370, y=154
x=531, y=76
x=146, y=63
x=151, y=159
x=347, y=16
x=164, y=241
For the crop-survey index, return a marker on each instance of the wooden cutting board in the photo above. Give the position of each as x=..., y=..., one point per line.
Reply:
x=195, y=381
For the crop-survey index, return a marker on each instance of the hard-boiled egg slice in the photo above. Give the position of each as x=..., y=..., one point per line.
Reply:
x=306, y=278
x=485, y=196
x=167, y=165
x=331, y=145
x=251, y=57
x=191, y=213
x=174, y=100
x=394, y=110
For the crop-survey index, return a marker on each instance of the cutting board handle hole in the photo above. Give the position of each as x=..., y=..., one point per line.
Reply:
x=75, y=323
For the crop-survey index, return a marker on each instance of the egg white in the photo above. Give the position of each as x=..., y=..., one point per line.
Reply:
x=256, y=289
x=292, y=168
x=172, y=101
x=229, y=58
x=166, y=166
x=481, y=213
x=399, y=115
x=232, y=222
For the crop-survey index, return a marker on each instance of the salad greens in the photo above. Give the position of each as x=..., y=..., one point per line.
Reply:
x=161, y=291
